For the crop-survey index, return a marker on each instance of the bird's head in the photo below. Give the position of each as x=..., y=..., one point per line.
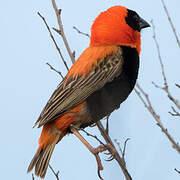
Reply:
x=117, y=26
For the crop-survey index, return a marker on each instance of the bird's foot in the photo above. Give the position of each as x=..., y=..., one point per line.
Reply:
x=95, y=151
x=102, y=148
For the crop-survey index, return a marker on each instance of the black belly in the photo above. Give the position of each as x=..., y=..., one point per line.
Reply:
x=104, y=101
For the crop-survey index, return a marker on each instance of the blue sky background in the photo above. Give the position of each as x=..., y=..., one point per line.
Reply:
x=27, y=83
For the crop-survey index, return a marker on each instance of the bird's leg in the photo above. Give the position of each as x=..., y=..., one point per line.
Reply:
x=94, y=151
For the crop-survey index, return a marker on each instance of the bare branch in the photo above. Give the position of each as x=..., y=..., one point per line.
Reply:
x=174, y=113
x=124, y=148
x=157, y=86
x=159, y=55
x=149, y=107
x=107, y=123
x=177, y=171
x=171, y=23
x=56, y=174
x=33, y=177
x=165, y=88
x=52, y=68
x=177, y=85
x=94, y=136
x=80, y=32
x=119, y=146
x=61, y=30
x=175, y=101
x=57, y=30
x=54, y=41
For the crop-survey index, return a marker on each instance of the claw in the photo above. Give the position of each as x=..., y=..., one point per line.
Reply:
x=110, y=158
x=108, y=146
x=108, y=153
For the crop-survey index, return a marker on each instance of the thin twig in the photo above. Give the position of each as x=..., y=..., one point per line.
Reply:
x=171, y=23
x=33, y=177
x=157, y=86
x=107, y=123
x=124, y=148
x=165, y=88
x=119, y=146
x=149, y=107
x=57, y=30
x=61, y=29
x=177, y=171
x=80, y=32
x=175, y=101
x=94, y=136
x=177, y=85
x=174, y=113
x=54, y=41
x=56, y=174
x=159, y=55
x=52, y=68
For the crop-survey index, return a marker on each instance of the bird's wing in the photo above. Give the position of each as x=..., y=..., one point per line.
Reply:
x=76, y=89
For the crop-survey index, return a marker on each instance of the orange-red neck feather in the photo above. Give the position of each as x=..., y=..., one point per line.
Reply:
x=110, y=28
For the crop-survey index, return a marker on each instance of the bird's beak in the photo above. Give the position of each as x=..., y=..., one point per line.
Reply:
x=143, y=24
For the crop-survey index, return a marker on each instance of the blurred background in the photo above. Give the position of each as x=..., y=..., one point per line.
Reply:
x=27, y=83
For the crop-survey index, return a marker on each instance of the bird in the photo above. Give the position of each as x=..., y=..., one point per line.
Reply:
x=97, y=83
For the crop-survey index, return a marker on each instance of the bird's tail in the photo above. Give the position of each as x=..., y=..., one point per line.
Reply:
x=41, y=159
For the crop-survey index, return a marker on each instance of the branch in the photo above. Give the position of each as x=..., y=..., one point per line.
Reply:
x=107, y=123
x=33, y=177
x=177, y=171
x=174, y=113
x=165, y=88
x=147, y=103
x=52, y=68
x=171, y=23
x=54, y=41
x=124, y=148
x=56, y=174
x=80, y=32
x=61, y=30
x=94, y=136
x=159, y=55
x=177, y=85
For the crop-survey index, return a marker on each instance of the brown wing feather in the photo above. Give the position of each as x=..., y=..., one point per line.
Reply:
x=75, y=90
